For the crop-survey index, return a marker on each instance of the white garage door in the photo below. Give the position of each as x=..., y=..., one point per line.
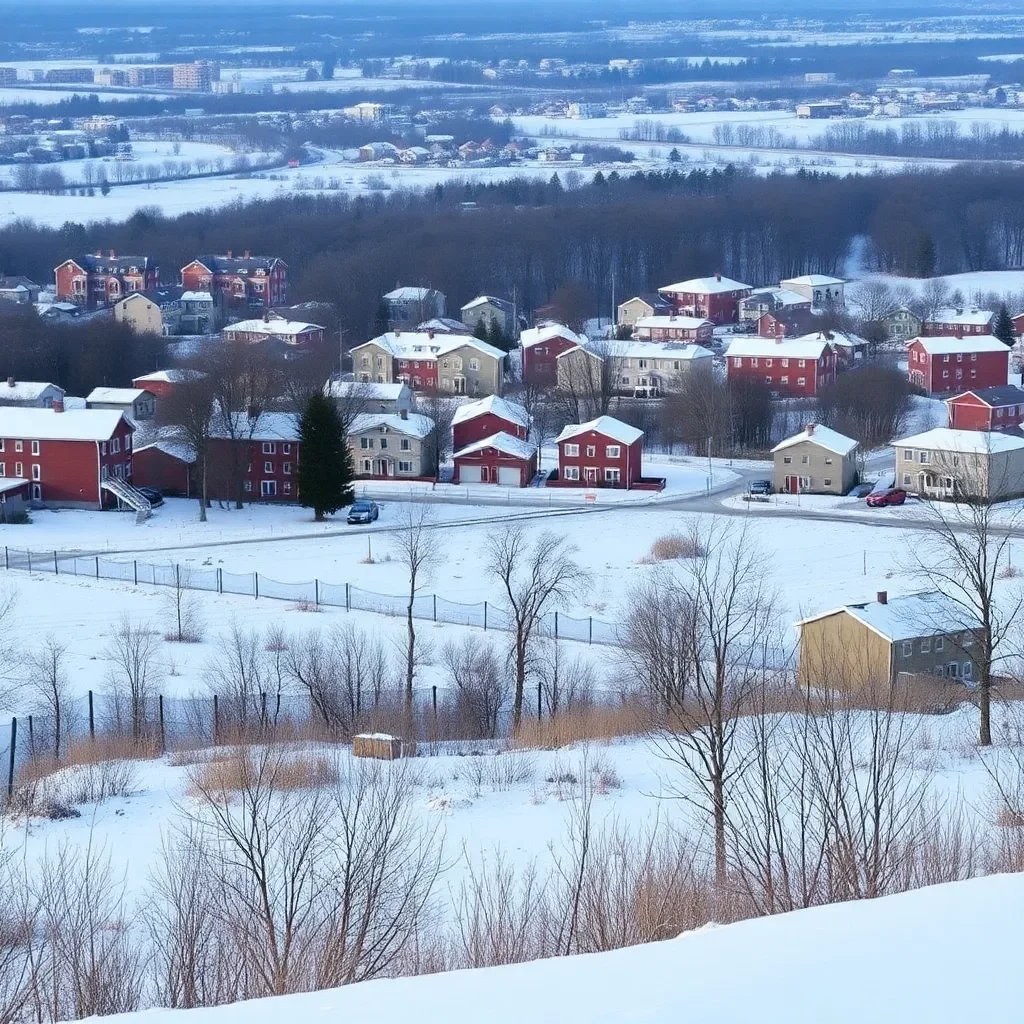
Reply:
x=469, y=474
x=508, y=476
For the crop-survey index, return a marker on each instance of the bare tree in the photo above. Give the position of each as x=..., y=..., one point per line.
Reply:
x=567, y=681
x=183, y=608
x=47, y=678
x=934, y=296
x=133, y=670
x=440, y=409
x=481, y=684
x=416, y=547
x=588, y=379
x=236, y=673
x=872, y=300
x=536, y=578
x=188, y=408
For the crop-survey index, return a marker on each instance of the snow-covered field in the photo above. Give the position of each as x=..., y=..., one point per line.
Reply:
x=974, y=283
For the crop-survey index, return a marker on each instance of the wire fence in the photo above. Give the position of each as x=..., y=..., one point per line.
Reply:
x=315, y=593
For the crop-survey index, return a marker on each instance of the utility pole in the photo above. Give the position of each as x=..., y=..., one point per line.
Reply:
x=613, y=303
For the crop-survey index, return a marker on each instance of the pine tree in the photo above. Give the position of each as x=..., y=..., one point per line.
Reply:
x=555, y=184
x=1003, y=328
x=495, y=335
x=325, y=463
x=925, y=258
x=675, y=156
x=480, y=330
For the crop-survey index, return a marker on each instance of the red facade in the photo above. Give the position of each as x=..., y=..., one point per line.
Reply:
x=491, y=462
x=708, y=300
x=486, y=425
x=955, y=328
x=701, y=334
x=419, y=374
x=974, y=412
x=593, y=459
x=96, y=280
x=540, y=361
x=271, y=469
x=942, y=372
x=154, y=467
x=250, y=282
x=788, y=372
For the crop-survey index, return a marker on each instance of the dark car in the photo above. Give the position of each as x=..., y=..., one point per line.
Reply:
x=152, y=495
x=890, y=496
x=861, y=490
x=760, y=487
x=363, y=512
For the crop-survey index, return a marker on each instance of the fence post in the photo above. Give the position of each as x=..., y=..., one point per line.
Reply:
x=216, y=717
x=220, y=580
x=92, y=719
x=539, y=686
x=10, y=763
x=163, y=734
x=348, y=605
x=31, y=737
x=556, y=625
x=177, y=576
x=29, y=553
x=485, y=616
x=316, y=592
x=56, y=571
x=590, y=636
x=263, y=709
x=7, y=558
x=435, y=607
x=97, y=558
x=256, y=585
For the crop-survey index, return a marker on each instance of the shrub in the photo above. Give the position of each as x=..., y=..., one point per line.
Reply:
x=292, y=770
x=672, y=546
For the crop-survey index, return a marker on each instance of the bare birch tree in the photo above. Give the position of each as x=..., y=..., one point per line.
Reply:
x=133, y=670
x=47, y=678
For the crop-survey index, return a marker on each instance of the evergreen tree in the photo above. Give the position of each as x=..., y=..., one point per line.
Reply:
x=480, y=332
x=925, y=259
x=380, y=321
x=675, y=156
x=599, y=180
x=555, y=184
x=1003, y=328
x=327, y=71
x=495, y=335
x=325, y=463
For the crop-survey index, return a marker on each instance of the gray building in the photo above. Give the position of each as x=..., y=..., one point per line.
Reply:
x=408, y=306
x=485, y=308
x=818, y=460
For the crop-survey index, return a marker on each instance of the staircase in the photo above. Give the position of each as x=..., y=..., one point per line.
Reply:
x=128, y=495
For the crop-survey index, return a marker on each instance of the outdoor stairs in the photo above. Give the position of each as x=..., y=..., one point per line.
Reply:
x=128, y=495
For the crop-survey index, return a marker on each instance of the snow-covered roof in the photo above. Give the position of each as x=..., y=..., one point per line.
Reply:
x=685, y=323
x=810, y=347
x=814, y=280
x=416, y=425
x=172, y=376
x=368, y=390
x=782, y=296
x=837, y=339
x=825, y=437
x=961, y=317
x=196, y=297
x=11, y=483
x=180, y=450
x=47, y=425
x=24, y=390
x=408, y=294
x=487, y=300
x=607, y=426
x=115, y=396
x=944, y=346
x=714, y=285
x=272, y=328
x=513, y=412
x=545, y=332
x=502, y=442
x=930, y=613
x=269, y=426
x=968, y=442
x=419, y=345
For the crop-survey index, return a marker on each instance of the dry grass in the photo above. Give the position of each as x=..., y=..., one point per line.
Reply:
x=290, y=771
x=601, y=724
x=672, y=546
x=305, y=606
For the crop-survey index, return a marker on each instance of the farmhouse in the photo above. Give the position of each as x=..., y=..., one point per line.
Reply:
x=154, y=312
x=246, y=281
x=487, y=308
x=771, y=300
x=796, y=368
x=476, y=421
x=951, y=364
x=540, y=348
x=787, y=323
x=166, y=465
x=819, y=289
x=602, y=453
x=713, y=298
x=266, y=445
x=369, y=397
x=818, y=460
x=388, y=446
x=641, y=306
x=411, y=305
x=293, y=333
x=498, y=459
x=902, y=324
x=162, y=382
x=997, y=408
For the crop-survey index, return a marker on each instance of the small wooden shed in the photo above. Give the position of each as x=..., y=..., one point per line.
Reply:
x=379, y=745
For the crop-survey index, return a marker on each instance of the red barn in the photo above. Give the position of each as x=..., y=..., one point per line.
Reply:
x=998, y=408
x=944, y=365
x=790, y=367
x=67, y=456
x=269, y=451
x=492, y=415
x=249, y=282
x=713, y=298
x=957, y=323
x=674, y=328
x=602, y=453
x=540, y=348
x=499, y=459
x=101, y=280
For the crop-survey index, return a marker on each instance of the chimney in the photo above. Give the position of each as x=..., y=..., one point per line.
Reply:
x=882, y=597
x=113, y=254
x=718, y=276
x=98, y=252
x=430, y=333
x=229, y=254
x=810, y=428
x=245, y=255
x=58, y=405
x=10, y=382
x=403, y=414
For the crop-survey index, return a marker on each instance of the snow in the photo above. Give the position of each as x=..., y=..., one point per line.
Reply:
x=965, y=317
x=24, y=390
x=687, y=323
x=811, y=347
x=511, y=412
x=47, y=425
x=814, y=280
x=827, y=438
x=546, y=332
x=269, y=426
x=408, y=294
x=273, y=328
x=502, y=442
x=644, y=349
x=422, y=345
x=114, y=396
x=367, y=390
x=928, y=613
x=974, y=442
x=606, y=426
x=415, y=424
x=1000, y=282
x=939, y=346
x=705, y=286
x=944, y=954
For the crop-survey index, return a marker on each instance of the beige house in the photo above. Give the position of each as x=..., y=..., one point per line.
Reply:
x=136, y=403
x=141, y=313
x=859, y=646
x=390, y=445
x=426, y=361
x=953, y=465
x=818, y=460
x=819, y=289
x=641, y=306
x=641, y=369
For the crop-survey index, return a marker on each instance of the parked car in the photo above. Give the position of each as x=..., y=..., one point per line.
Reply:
x=861, y=490
x=152, y=495
x=759, y=487
x=363, y=512
x=890, y=496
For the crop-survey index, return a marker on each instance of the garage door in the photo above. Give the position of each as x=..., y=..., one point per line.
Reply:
x=508, y=476
x=469, y=474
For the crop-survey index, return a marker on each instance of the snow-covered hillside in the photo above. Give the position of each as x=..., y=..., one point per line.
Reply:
x=950, y=953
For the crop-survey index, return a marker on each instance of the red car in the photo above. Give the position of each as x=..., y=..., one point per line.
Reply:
x=892, y=496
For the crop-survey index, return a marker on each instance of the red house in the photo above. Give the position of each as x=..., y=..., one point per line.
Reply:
x=713, y=298
x=958, y=323
x=165, y=465
x=68, y=456
x=492, y=415
x=787, y=323
x=269, y=451
x=602, y=453
x=162, y=382
x=250, y=282
x=271, y=327
x=101, y=280
x=499, y=459
x=790, y=367
x=944, y=365
x=541, y=346
x=998, y=408
x=674, y=328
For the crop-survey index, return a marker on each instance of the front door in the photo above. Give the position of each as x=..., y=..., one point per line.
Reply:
x=383, y=467
x=793, y=484
x=485, y=474
x=590, y=474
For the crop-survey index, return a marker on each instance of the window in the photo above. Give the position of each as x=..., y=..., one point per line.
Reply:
x=268, y=467
x=785, y=363
x=787, y=460
x=365, y=442
x=3, y=469
x=940, y=643
x=115, y=446
x=613, y=451
x=828, y=462
x=801, y=363
x=801, y=381
x=19, y=469
x=367, y=466
x=642, y=364
x=35, y=447
x=286, y=448
x=906, y=479
x=924, y=458
x=365, y=361
x=908, y=453
x=268, y=488
x=19, y=446
x=737, y=362
x=968, y=670
x=999, y=413
x=572, y=472
x=611, y=476
x=591, y=451
x=945, y=359
x=572, y=451
x=625, y=380
x=248, y=486
x=908, y=648
x=1, y=444
x=268, y=448
x=768, y=379
x=828, y=482
x=404, y=445
x=974, y=357
x=383, y=442
x=805, y=460
x=753, y=362
x=404, y=467
x=784, y=380
x=926, y=646
x=768, y=362
x=474, y=364
x=36, y=474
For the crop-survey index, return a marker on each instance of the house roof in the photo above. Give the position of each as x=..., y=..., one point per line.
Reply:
x=24, y=390
x=408, y=293
x=11, y=483
x=685, y=323
x=837, y=339
x=944, y=346
x=814, y=280
x=809, y=347
x=502, y=442
x=175, y=375
x=930, y=613
x=270, y=426
x=643, y=350
x=824, y=437
x=71, y=425
x=971, y=442
x=545, y=332
x=653, y=299
x=964, y=317
x=115, y=396
x=489, y=300
x=501, y=407
x=715, y=285
x=369, y=391
x=272, y=328
x=444, y=325
x=1005, y=394
x=238, y=264
x=607, y=426
x=196, y=297
x=180, y=450
x=420, y=345
x=94, y=262
x=416, y=425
